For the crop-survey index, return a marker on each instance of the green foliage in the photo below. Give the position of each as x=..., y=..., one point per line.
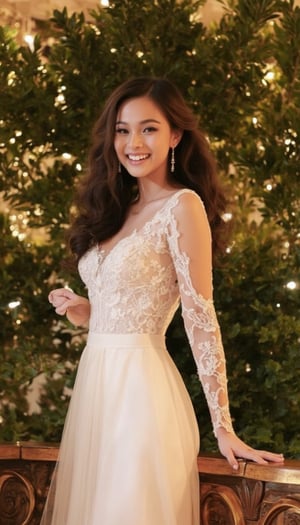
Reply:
x=241, y=76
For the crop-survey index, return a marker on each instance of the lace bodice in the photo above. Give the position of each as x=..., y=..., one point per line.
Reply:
x=137, y=285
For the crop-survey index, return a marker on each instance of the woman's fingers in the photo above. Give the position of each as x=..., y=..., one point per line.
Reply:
x=61, y=310
x=258, y=456
x=232, y=460
x=63, y=299
x=232, y=448
x=264, y=457
x=59, y=296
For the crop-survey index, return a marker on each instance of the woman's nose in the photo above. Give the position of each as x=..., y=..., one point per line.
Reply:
x=135, y=140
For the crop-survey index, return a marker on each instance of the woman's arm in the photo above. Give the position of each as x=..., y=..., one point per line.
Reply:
x=75, y=307
x=190, y=245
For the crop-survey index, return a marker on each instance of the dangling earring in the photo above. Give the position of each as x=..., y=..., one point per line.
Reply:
x=173, y=160
x=119, y=167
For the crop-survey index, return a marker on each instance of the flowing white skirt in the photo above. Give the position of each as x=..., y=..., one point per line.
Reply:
x=129, y=449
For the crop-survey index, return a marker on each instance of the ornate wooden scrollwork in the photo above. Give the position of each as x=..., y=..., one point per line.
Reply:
x=17, y=499
x=289, y=506
x=257, y=494
x=221, y=506
x=251, y=493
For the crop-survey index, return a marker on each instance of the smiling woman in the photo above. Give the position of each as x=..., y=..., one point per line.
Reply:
x=143, y=141
x=148, y=213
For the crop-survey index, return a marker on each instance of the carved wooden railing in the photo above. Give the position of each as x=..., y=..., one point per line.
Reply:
x=254, y=495
x=25, y=474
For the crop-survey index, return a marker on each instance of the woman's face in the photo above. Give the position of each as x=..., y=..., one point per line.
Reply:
x=143, y=138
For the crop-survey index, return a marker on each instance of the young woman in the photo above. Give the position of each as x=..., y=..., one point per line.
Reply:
x=149, y=215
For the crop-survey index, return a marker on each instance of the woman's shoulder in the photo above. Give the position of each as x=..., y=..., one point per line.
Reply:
x=185, y=199
x=186, y=207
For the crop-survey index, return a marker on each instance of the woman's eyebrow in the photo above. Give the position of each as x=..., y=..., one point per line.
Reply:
x=146, y=121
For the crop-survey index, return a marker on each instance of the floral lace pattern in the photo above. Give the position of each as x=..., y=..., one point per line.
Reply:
x=136, y=287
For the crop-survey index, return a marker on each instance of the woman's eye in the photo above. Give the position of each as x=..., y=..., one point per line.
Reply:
x=150, y=129
x=121, y=131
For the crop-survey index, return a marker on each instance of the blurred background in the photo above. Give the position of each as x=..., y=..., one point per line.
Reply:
x=238, y=65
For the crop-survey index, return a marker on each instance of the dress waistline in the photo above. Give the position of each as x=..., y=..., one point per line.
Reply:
x=125, y=340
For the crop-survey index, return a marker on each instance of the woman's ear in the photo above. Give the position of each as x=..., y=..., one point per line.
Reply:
x=176, y=137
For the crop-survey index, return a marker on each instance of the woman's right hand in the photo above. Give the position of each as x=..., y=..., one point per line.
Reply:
x=76, y=307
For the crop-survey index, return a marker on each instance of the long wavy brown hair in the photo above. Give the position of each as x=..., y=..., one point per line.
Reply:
x=105, y=194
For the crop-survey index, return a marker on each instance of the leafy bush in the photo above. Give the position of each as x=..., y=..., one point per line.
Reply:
x=241, y=76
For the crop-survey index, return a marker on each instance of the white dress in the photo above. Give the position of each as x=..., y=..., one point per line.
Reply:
x=128, y=455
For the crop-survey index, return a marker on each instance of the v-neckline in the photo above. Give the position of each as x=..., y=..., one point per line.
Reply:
x=103, y=253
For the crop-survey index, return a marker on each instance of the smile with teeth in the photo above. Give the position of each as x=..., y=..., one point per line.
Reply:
x=136, y=158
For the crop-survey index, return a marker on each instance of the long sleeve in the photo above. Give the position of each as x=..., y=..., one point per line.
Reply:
x=190, y=245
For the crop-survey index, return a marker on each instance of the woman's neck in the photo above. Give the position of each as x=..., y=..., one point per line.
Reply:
x=150, y=191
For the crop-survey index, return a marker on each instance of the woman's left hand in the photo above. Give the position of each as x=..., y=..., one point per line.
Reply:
x=232, y=447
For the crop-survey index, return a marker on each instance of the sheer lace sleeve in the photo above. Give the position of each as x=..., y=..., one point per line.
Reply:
x=190, y=245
